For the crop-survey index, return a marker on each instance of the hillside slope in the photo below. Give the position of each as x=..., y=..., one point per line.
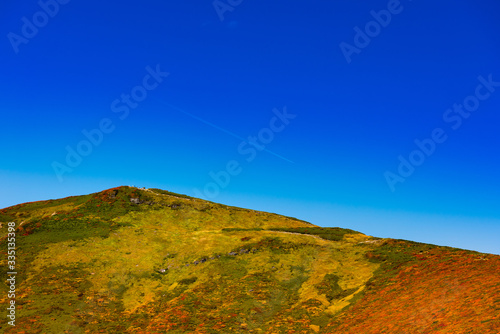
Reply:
x=130, y=260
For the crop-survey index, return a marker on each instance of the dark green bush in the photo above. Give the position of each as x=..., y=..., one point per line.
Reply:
x=187, y=281
x=327, y=233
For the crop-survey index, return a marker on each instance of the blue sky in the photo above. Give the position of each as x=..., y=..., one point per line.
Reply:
x=308, y=109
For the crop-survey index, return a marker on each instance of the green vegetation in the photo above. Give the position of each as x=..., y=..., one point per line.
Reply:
x=237, y=229
x=327, y=233
x=129, y=260
x=331, y=288
x=188, y=281
x=165, y=192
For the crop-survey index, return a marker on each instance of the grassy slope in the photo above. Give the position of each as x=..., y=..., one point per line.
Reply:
x=102, y=264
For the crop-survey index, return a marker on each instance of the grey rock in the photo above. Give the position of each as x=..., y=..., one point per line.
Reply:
x=135, y=200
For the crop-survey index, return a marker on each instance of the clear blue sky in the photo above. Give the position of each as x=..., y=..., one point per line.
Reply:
x=358, y=92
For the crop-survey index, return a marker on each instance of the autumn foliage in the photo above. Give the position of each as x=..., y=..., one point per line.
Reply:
x=140, y=261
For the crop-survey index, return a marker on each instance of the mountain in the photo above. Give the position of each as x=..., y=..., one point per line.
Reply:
x=131, y=260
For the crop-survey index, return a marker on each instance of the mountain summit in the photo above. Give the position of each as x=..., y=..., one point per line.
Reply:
x=132, y=260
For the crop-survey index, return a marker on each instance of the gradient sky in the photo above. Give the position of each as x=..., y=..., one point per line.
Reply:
x=231, y=69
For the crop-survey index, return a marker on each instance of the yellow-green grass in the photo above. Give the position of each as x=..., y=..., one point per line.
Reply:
x=101, y=263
